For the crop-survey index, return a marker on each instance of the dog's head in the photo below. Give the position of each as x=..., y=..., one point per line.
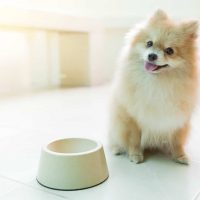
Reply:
x=164, y=45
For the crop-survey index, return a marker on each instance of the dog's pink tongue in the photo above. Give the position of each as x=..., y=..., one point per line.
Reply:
x=150, y=66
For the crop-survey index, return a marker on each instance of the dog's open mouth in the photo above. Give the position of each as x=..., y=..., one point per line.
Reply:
x=150, y=67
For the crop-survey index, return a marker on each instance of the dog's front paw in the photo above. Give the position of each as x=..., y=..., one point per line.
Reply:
x=136, y=158
x=182, y=160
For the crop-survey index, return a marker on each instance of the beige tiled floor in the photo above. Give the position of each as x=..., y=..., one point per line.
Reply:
x=28, y=122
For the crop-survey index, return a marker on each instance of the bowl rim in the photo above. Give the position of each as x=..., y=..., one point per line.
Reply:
x=47, y=150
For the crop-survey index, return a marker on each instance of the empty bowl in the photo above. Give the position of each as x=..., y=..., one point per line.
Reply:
x=72, y=164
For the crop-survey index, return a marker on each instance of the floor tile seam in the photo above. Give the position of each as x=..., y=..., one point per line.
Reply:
x=29, y=186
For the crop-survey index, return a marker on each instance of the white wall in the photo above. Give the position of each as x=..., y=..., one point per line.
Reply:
x=37, y=62
x=14, y=59
x=113, y=8
x=114, y=39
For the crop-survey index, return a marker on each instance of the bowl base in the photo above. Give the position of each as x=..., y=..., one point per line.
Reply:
x=72, y=189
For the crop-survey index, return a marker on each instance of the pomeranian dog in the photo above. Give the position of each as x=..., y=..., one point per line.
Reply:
x=155, y=89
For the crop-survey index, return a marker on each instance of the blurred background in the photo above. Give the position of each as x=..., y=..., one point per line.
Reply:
x=46, y=44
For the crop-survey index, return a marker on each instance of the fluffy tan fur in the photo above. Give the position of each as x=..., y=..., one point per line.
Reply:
x=153, y=110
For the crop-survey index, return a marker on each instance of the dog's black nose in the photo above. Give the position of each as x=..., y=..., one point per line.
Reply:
x=152, y=57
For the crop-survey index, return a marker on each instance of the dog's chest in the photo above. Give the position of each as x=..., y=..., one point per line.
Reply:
x=157, y=108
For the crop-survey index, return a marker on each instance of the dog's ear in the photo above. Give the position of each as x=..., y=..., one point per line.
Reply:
x=159, y=15
x=190, y=29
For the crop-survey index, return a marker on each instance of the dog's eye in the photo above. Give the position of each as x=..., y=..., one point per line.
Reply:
x=149, y=44
x=169, y=51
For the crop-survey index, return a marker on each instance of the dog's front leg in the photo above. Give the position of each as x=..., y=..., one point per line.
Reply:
x=135, y=151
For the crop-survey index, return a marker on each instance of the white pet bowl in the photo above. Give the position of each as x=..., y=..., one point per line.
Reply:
x=72, y=164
